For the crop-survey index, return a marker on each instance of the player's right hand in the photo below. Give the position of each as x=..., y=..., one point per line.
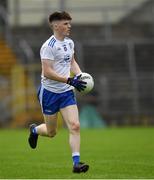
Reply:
x=77, y=83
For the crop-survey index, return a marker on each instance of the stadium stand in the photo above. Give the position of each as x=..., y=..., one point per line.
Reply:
x=8, y=58
x=117, y=51
x=7, y=61
x=14, y=81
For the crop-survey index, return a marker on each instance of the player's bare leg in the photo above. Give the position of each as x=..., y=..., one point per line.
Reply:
x=49, y=129
x=71, y=117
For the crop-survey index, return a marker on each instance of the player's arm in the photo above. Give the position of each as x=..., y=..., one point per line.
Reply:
x=75, y=69
x=48, y=71
x=75, y=81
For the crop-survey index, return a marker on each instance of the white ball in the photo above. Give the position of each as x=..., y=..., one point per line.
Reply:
x=89, y=80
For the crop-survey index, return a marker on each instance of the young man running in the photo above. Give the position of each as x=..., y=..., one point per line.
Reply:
x=56, y=91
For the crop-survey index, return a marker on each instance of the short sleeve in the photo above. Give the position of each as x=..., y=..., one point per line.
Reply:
x=46, y=53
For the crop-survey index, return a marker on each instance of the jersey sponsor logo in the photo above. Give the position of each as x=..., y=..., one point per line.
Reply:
x=52, y=42
x=67, y=58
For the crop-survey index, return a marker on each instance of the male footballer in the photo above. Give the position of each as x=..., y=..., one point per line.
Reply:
x=56, y=90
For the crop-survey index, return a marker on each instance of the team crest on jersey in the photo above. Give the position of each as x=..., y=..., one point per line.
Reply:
x=65, y=48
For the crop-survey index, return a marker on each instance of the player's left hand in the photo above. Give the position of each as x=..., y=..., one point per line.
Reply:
x=77, y=83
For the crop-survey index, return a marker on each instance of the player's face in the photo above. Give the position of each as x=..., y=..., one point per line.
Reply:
x=64, y=27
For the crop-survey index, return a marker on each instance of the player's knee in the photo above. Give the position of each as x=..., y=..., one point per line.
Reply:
x=52, y=133
x=75, y=126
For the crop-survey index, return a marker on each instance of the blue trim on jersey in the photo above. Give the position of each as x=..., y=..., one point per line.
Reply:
x=52, y=42
x=51, y=102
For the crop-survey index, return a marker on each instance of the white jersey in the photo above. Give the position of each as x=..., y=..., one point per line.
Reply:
x=61, y=53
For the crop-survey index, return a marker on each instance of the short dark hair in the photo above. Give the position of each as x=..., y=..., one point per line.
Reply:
x=59, y=16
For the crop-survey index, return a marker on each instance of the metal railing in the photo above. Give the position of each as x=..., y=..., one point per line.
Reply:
x=124, y=88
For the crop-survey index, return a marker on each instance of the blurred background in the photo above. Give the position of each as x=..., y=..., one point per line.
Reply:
x=114, y=42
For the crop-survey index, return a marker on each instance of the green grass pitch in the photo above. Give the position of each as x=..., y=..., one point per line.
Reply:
x=111, y=153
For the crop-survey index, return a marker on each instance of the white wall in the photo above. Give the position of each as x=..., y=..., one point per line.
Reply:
x=35, y=12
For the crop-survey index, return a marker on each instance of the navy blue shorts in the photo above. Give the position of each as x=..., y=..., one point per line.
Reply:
x=52, y=102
